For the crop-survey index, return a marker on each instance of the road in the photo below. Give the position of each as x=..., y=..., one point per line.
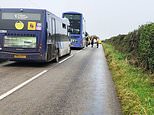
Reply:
x=79, y=84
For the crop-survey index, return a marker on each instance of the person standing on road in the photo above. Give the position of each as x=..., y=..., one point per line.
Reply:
x=97, y=42
x=87, y=41
x=92, y=42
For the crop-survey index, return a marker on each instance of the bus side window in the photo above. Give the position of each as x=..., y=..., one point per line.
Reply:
x=49, y=25
x=53, y=26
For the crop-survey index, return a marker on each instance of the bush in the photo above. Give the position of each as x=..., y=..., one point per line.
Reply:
x=138, y=46
x=146, y=46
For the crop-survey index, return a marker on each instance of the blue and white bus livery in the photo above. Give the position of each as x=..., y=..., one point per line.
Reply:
x=32, y=35
x=76, y=29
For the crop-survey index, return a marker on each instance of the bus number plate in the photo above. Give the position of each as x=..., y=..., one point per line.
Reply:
x=19, y=56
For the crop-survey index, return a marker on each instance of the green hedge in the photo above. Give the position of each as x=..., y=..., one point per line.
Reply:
x=138, y=46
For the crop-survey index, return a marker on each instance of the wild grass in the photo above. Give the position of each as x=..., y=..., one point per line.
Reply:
x=134, y=87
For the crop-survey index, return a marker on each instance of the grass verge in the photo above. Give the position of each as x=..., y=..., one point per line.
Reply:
x=134, y=87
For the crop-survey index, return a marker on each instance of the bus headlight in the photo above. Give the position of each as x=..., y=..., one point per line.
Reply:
x=0, y=48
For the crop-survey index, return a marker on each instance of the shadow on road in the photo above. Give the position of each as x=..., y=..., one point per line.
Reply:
x=28, y=64
x=24, y=64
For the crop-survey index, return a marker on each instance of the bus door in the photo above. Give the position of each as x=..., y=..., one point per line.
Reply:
x=51, y=39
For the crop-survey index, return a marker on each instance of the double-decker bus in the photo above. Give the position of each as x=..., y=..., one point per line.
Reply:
x=33, y=35
x=76, y=28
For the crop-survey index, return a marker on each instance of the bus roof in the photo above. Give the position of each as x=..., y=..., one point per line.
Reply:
x=27, y=10
x=22, y=10
x=72, y=12
x=34, y=11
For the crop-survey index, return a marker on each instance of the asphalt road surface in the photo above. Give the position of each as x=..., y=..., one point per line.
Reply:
x=79, y=84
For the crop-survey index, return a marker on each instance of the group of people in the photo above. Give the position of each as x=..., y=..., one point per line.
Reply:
x=92, y=41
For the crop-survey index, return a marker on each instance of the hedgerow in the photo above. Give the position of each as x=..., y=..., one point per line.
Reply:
x=138, y=46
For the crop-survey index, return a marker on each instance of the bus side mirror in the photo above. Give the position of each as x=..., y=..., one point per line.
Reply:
x=69, y=30
x=86, y=34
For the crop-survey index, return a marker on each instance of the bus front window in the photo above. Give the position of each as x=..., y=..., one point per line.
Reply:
x=75, y=26
x=74, y=23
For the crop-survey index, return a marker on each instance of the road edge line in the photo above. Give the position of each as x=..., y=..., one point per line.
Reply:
x=65, y=59
x=21, y=85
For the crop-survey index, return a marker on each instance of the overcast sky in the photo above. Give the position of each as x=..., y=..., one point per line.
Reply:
x=104, y=18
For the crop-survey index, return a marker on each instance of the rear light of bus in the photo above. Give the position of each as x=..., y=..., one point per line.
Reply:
x=40, y=47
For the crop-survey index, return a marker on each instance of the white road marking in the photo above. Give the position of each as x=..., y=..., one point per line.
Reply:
x=66, y=59
x=30, y=80
x=78, y=51
x=21, y=85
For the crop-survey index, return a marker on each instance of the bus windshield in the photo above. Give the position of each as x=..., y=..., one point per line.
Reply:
x=74, y=23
